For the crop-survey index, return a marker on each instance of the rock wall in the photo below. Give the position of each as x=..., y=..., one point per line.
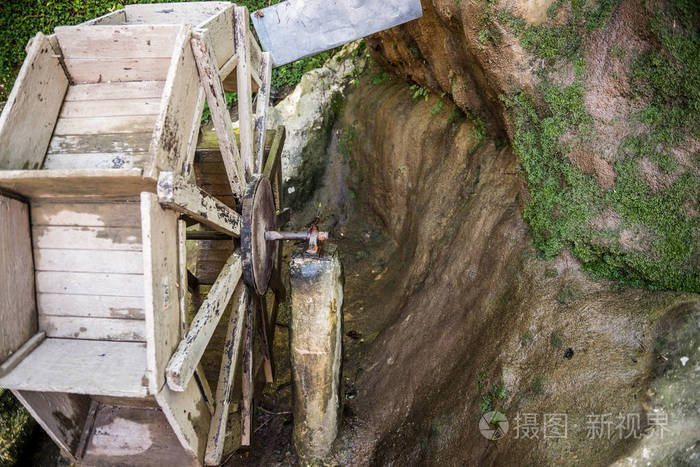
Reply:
x=601, y=103
x=470, y=320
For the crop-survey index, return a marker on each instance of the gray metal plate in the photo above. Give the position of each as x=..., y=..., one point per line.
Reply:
x=296, y=29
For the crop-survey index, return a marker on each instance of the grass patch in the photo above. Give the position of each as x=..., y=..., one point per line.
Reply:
x=490, y=398
x=556, y=340
x=566, y=294
x=16, y=425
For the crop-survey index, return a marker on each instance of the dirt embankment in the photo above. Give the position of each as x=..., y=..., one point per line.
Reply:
x=450, y=314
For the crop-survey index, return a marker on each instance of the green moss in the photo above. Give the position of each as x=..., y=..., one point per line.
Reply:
x=537, y=386
x=566, y=294
x=563, y=200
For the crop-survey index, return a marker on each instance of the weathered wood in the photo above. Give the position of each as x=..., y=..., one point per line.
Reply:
x=71, y=327
x=113, y=17
x=263, y=100
x=97, y=306
x=174, y=192
x=62, y=416
x=127, y=435
x=160, y=252
x=124, y=262
x=28, y=118
x=220, y=28
x=191, y=348
x=86, y=214
x=260, y=306
x=247, y=387
x=189, y=417
x=209, y=77
x=182, y=274
x=228, y=67
x=87, y=429
x=243, y=70
x=82, y=367
x=121, y=41
x=19, y=355
x=89, y=283
x=110, y=108
x=87, y=183
x=115, y=90
x=96, y=70
x=179, y=120
x=274, y=155
x=95, y=126
x=89, y=238
x=17, y=306
x=119, y=143
x=229, y=363
x=187, y=169
x=95, y=161
x=174, y=13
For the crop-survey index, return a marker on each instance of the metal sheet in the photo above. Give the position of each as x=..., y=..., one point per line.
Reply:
x=296, y=29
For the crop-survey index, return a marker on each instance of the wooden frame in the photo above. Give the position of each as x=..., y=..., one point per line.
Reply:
x=28, y=119
x=175, y=193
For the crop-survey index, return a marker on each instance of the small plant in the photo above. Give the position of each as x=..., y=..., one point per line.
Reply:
x=490, y=399
x=551, y=272
x=556, y=340
x=526, y=339
x=537, y=386
x=345, y=142
x=566, y=294
x=420, y=91
x=380, y=78
x=437, y=108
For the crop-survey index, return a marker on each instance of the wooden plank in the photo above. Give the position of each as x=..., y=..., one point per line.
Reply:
x=126, y=435
x=19, y=355
x=17, y=305
x=126, y=90
x=82, y=367
x=114, y=17
x=160, y=251
x=87, y=429
x=96, y=161
x=96, y=70
x=273, y=169
x=226, y=69
x=182, y=274
x=174, y=192
x=62, y=416
x=121, y=143
x=72, y=327
x=87, y=238
x=247, y=387
x=111, y=108
x=265, y=343
x=88, y=183
x=255, y=58
x=176, y=122
x=243, y=70
x=191, y=348
x=174, y=13
x=220, y=29
x=94, y=126
x=28, y=118
x=120, y=41
x=109, y=261
x=209, y=77
x=229, y=363
x=104, y=214
x=91, y=306
x=189, y=417
x=89, y=283
x=187, y=169
x=263, y=100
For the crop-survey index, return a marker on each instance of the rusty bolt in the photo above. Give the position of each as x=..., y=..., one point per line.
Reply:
x=313, y=236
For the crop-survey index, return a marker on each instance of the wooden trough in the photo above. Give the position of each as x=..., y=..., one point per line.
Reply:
x=101, y=185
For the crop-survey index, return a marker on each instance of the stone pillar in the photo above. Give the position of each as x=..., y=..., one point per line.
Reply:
x=316, y=350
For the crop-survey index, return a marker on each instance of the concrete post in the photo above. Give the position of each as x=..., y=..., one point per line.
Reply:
x=316, y=336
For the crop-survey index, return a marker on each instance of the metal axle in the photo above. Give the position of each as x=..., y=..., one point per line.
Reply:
x=313, y=236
